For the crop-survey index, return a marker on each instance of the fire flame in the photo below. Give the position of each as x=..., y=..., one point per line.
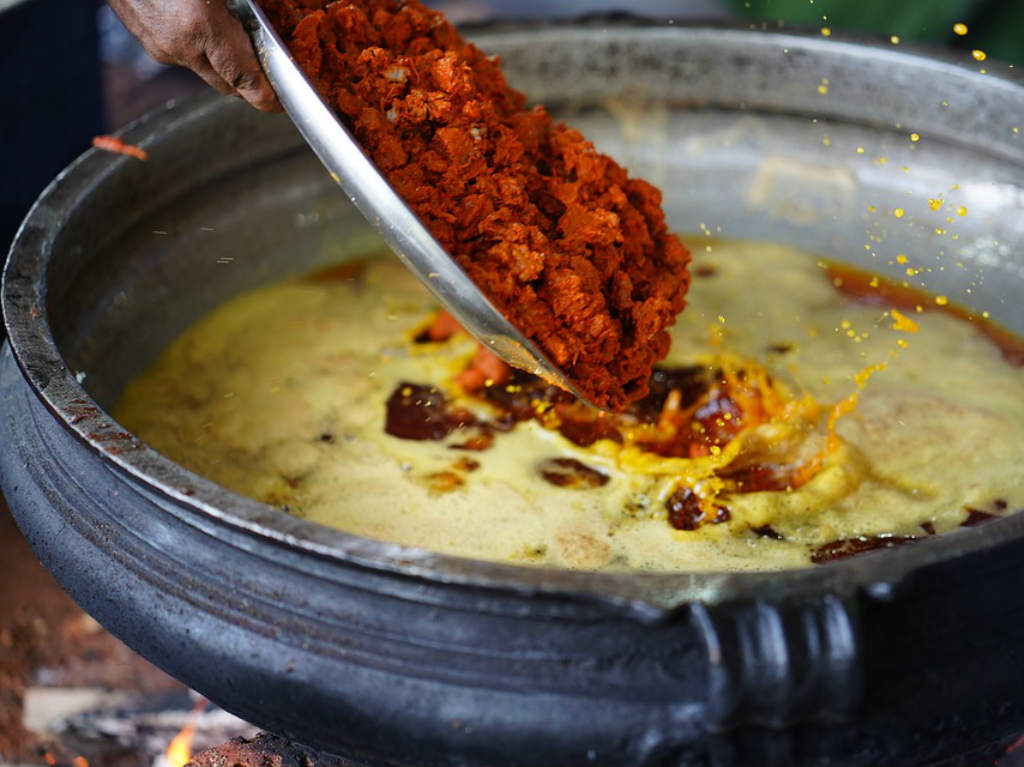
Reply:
x=179, y=751
x=50, y=758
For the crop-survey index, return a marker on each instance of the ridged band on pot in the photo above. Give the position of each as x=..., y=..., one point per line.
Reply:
x=775, y=664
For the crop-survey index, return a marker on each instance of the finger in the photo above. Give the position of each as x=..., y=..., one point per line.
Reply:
x=232, y=57
x=201, y=66
x=260, y=94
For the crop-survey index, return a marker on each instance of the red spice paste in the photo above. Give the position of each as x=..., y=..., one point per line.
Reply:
x=573, y=251
x=117, y=146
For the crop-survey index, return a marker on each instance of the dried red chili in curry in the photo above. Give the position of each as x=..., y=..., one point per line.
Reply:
x=563, y=242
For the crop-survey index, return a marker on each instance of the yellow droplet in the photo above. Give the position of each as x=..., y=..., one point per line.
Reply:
x=935, y=203
x=874, y=282
x=1016, y=129
x=915, y=137
x=941, y=300
x=862, y=377
x=900, y=258
x=919, y=308
x=979, y=55
x=912, y=272
x=939, y=231
x=960, y=28
x=826, y=141
x=902, y=322
x=845, y=324
x=882, y=160
x=872, y=208
x=826, y=32
x=721, y=319
x=901, y=343
x=860, y=150
x=961, y=211
x=894, y=39
x=985, y=315
x=822, y=89
x=898, y=212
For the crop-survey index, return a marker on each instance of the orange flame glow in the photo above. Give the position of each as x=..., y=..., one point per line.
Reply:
x=179, y=751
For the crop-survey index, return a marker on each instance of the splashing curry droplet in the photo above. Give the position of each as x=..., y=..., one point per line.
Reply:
x=848, y=405
x=903, y=323
x=845, y=406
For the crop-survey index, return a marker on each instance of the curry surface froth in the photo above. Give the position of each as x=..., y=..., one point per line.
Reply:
x=286, y=394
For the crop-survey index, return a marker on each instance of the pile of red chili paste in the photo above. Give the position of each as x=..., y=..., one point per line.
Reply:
x=570, y=248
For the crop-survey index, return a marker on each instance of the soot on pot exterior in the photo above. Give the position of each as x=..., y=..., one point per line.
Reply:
x=402, y=656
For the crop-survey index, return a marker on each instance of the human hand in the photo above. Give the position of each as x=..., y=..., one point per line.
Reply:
x=203, y=36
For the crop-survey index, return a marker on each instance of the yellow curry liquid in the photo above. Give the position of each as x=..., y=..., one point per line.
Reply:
x=893, y=425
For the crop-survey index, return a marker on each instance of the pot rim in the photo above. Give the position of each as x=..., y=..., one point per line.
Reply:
x=649, y=595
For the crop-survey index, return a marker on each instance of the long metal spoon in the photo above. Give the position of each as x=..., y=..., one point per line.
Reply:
x=388, y=213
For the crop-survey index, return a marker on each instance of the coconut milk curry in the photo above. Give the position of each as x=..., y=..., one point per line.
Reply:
x=804, y=413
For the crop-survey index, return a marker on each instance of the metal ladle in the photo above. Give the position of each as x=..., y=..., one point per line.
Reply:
x=386, y=211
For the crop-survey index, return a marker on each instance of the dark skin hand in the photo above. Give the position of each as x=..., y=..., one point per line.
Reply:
x=203, y=36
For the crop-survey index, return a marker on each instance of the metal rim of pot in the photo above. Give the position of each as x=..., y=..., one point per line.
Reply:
x=39, y=358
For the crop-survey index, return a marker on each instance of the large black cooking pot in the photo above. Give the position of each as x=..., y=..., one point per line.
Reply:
x=402, y=656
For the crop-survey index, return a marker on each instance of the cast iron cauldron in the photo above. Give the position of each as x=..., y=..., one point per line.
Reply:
x=401, y=656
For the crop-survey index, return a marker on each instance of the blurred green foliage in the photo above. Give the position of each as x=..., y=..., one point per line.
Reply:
x=994, y=26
